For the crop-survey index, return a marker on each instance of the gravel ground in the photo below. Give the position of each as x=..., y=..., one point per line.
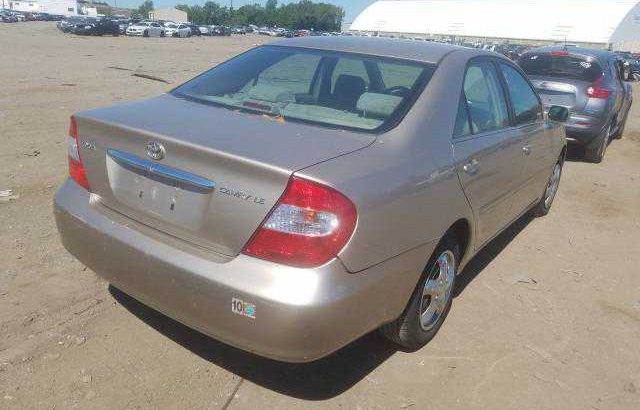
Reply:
x=547, y=317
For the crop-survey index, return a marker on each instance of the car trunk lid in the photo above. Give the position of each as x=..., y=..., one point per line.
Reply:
x=204, y=174
x=567, y=93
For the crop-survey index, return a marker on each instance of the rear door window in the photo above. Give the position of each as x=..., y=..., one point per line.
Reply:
x=526, y=106
x=485, y=98
x=462, y=127
x=562, y=65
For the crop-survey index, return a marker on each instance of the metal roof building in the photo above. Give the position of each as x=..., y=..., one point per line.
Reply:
x=592, y=22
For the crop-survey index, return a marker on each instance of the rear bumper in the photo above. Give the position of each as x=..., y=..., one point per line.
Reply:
x=583, y=129
x=300, y=314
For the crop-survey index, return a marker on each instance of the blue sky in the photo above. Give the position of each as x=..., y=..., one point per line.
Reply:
x=351, y=7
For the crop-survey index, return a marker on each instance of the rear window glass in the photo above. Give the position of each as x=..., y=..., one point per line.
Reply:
x=332, y=89
x=569, y=66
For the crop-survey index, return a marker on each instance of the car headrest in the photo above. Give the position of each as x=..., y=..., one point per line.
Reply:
x=378, y=105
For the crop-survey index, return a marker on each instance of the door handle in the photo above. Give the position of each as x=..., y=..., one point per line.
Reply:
x=471, y=167
x=526, y=150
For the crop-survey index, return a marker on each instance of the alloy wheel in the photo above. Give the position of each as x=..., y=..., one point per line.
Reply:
x=437, y=290
x=552, y=186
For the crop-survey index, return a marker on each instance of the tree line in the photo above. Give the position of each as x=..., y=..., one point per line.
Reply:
x=302, y=15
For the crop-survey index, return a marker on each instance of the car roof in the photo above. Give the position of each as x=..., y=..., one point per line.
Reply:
x=421, y=51
x=600, y=54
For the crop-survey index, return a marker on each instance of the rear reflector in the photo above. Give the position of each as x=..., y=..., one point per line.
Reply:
x=308, y=227
x=596, y=90
x=76, y=169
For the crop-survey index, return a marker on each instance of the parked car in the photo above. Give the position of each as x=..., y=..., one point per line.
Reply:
x=98, y=27
x=387, y=166
x=195, y=30
x=122, y=25
x=591, y=84
x=146, y=29
x=632, y=65
x=19, y=16
x=69, y=24
x=7, y=17
x=177, y=30
x=205, y=30
x=242, y=30
x=220, y=31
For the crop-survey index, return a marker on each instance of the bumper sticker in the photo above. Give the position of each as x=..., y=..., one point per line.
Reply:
x=242, y=308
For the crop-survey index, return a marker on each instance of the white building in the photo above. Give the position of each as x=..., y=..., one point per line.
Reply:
x=589, y=22
x=170, y=14
x=63, y=7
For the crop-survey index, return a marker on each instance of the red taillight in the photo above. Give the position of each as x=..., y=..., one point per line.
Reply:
x=559, y=53
x=76, y=169
x=308, y=227
x=596, y=90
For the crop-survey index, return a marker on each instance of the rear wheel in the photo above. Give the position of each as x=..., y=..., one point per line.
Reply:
x=544, y=206
x=430, y=302
x=618, y=134
x=594, y=152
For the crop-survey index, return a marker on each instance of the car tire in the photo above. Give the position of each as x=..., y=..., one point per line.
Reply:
x=594, y=152
x=550, y=191
x=620, y=132
x=430, y=302
x=162, y=34
x=145, y=34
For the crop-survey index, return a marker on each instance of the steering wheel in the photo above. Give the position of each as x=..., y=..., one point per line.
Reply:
x=398, y=90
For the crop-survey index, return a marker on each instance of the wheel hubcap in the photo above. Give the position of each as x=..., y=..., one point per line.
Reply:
x=437, y=290
x=552, y=187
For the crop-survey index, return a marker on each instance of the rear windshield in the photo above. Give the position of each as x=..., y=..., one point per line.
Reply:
x=332, y=89
x=571, y=66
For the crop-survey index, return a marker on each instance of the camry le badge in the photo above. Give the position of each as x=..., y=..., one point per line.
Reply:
x=155, y=150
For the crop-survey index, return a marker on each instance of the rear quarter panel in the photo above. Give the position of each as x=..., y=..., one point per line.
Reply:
x=405, y=185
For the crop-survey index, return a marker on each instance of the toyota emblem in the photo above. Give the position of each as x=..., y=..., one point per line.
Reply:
x=155, y=150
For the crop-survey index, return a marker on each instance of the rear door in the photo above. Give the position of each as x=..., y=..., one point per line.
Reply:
x=536, y=150
x=622, y=98
x=487, y=151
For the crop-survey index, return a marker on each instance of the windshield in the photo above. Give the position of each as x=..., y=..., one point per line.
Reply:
x=327, y=88
x=567, y=65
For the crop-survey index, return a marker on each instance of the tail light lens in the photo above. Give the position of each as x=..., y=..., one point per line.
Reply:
x=76, y=169
x=308, y=227
x=596, y=90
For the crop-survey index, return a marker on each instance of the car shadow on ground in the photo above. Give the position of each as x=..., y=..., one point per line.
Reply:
x=319, y=380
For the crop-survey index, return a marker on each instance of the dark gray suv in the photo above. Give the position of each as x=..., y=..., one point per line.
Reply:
x=591, y=84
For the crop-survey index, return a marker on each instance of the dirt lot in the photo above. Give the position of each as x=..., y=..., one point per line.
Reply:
x=547, y=317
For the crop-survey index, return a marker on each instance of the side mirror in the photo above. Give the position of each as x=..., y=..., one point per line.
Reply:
x=558, y=113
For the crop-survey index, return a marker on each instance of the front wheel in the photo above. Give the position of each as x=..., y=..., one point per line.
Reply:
x=544, y=206
x=430, y=302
